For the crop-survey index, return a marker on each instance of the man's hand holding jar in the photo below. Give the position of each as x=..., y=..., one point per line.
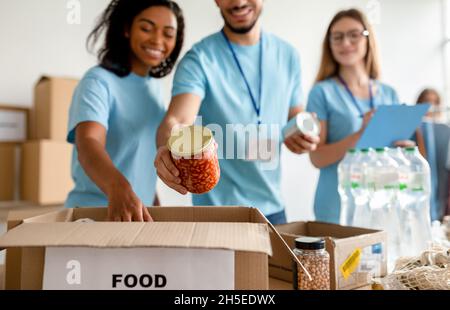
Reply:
x=189, y=163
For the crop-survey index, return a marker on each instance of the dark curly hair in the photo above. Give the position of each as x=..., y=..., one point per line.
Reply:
x=114, y=55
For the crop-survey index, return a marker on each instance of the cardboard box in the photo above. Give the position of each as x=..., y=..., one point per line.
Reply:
x=46, y=172
x=50, y=114
x=13, y=213
x=13, y=124
x=349, y=247
x=2, y=277
x=236, y=240
x=279, y=285
x=9, y=173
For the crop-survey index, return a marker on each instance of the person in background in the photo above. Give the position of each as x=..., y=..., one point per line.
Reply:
x=435, y=138
x=117, y=108
x=432, y=97
x=346, y=93
x=240, y=75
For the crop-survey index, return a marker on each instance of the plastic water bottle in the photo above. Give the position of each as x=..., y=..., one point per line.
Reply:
x=403, y=166
x=359, y=189
x=404, y=239
x=345, y=185
x=390, y=187
x=382, y=182
x=417, y=208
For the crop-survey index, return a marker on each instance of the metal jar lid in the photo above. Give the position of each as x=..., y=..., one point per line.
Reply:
x=189, y=141
x=310, y=243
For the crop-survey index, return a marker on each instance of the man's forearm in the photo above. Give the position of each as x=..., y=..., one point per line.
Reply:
x=182, y=111
x=164, y=130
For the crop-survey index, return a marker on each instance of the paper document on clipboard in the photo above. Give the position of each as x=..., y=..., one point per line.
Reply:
x=392, y=123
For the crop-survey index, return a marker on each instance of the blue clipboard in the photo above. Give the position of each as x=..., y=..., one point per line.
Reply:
x=392, y=123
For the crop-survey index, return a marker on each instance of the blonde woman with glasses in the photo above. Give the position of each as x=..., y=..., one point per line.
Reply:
x=346, y=93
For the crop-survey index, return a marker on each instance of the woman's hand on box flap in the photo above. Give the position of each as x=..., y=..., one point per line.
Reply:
x=166, y=170
x=125, y=206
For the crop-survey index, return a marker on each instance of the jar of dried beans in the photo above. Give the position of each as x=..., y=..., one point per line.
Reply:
x=194, y=153
x=312, y=254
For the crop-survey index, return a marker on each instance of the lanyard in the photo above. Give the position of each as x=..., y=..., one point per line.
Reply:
x=238, y=64
x=355, y=102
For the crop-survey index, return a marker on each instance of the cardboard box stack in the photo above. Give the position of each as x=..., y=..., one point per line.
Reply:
x=13, y=132
x=34, y=156
x=8, y=175
x=45, y=173
x=185, y=248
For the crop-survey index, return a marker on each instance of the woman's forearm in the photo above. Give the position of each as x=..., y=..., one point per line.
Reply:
x=328, y=154
x=98, y=166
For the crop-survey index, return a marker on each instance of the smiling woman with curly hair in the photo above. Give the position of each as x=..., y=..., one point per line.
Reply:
x=117, y=107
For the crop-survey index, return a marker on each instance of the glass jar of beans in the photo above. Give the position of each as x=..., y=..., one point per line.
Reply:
x=312, y=254
x=194, y=153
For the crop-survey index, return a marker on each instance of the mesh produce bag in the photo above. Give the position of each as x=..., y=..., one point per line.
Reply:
x=430, y=271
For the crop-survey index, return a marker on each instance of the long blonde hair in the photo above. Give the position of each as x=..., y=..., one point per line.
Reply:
x=329, y=66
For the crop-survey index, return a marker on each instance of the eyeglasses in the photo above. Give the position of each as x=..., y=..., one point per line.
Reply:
x=354, y=36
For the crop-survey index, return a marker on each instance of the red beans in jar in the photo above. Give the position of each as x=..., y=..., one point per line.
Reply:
x=194, y=153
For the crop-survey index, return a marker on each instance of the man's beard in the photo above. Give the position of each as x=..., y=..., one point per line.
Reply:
x=241, y=30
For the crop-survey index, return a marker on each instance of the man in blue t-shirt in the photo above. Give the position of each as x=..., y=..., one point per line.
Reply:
x=235, y=79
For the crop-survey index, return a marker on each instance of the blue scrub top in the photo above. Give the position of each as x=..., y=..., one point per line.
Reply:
x=131, y=109
x=332, y=103
x=209, y=71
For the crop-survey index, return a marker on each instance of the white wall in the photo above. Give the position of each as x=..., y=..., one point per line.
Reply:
x=36, y=39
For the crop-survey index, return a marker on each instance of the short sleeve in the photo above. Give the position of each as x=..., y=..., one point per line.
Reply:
x=90, y=102
x=189, y=77
x=297, y=91
x=395, y=98
x=317, y=103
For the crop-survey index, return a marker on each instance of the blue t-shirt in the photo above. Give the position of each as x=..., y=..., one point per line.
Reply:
x=333, y=104
x=131, y=109
x=210, y=71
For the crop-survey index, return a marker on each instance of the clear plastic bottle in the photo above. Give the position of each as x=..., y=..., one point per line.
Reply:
x=312, y=254
x=403, y=165
x=382, y=182
x=344, y=187
x=417, y=211
x=360, y=191
x=383, y=185
x=404, y=236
